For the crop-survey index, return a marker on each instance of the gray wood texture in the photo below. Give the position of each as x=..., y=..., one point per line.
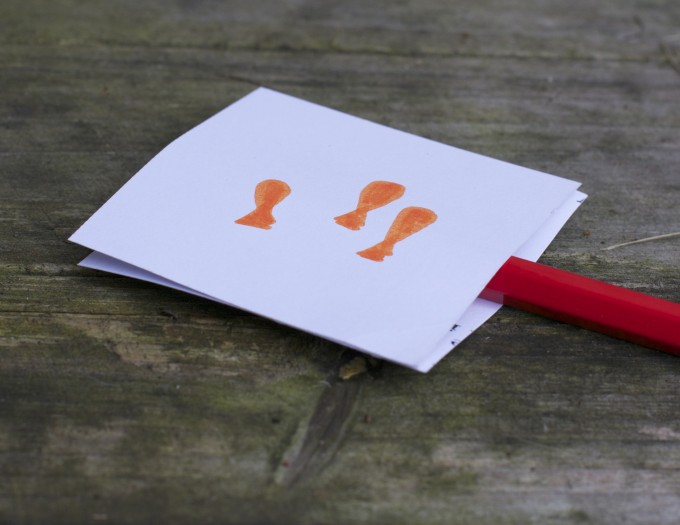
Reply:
x=123, y=402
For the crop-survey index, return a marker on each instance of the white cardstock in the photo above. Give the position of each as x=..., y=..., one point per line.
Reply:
x=444, y=221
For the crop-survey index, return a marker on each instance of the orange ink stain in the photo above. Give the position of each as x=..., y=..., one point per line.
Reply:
x=375, y=195
x=409, y=221
x=268, y=194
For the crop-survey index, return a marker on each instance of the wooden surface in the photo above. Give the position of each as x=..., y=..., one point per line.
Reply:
x=123, y=402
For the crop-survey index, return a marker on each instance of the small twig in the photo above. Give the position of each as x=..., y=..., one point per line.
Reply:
x=669, y=56
x=646, y=239
x=672, y=38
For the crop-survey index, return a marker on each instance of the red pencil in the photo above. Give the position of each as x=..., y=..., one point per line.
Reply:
x=585, y=302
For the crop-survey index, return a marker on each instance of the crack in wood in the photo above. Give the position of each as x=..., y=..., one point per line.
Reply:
x=317, y=440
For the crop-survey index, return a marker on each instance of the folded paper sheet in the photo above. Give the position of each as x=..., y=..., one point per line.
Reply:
x=364, y=235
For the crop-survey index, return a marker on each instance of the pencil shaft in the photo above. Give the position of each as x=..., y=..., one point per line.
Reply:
x=592, y=304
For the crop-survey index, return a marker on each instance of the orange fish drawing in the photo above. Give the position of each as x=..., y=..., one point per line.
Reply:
x=375, y=195
x=268, y=194
x=409, y=221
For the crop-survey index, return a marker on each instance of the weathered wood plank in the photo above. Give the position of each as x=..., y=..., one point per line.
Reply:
x=125, y=402
x=578, y=30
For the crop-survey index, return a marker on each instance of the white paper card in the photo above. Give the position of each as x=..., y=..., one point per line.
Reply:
x=450, y=217
x=475, y=316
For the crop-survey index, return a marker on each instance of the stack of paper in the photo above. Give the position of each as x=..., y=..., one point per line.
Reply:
x=367, y=236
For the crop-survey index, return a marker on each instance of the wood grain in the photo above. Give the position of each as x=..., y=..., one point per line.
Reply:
x=123, y=402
